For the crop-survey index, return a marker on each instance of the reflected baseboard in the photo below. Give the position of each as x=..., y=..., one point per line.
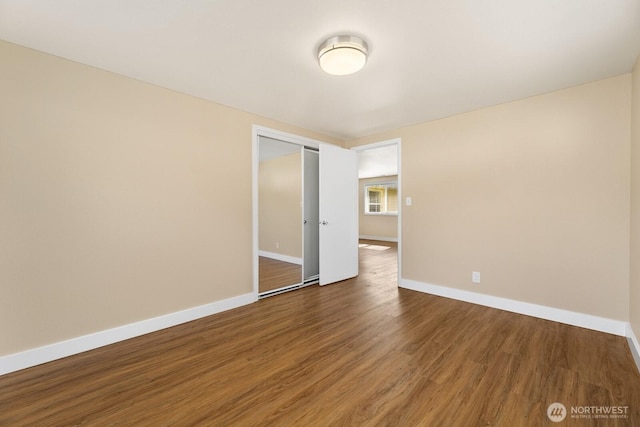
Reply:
x=280, y=257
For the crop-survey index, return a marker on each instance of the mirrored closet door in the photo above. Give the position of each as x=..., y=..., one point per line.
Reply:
x=287, y=216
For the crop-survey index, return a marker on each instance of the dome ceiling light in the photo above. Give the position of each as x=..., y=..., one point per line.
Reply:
x=342, y=55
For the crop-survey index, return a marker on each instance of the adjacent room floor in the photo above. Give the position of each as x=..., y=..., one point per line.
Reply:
x=359, y=352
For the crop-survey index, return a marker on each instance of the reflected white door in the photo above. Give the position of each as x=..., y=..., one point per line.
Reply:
x=338, y=214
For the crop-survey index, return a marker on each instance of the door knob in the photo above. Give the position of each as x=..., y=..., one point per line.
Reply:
x=324, y=222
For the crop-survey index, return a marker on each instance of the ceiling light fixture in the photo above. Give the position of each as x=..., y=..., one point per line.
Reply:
x=342, y=55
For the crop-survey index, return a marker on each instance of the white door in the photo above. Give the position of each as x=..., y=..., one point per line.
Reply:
x=338, y=214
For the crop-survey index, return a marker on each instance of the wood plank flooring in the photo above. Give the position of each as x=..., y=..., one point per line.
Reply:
x=359, y=352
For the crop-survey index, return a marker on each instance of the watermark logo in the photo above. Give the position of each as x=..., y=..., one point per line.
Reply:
x=556, y=412
x=600, y=412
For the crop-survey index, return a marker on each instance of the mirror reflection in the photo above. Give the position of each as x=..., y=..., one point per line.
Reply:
x=280, y=189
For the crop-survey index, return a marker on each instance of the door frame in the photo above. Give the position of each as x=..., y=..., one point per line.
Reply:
x=398, y=143
x=256, y=132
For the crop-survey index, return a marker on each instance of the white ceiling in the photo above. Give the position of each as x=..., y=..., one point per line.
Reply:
x=379, y=161
x=428, y=58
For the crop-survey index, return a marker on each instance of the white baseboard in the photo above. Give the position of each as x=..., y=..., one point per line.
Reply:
x=280, y=257
x=48, y=353
x=380, y=238
x=634, y=345
x=602, y=324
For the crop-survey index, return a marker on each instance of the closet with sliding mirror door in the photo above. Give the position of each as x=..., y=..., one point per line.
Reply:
x=288, y=222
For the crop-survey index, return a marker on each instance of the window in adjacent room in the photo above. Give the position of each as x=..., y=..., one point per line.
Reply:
x=381, y=198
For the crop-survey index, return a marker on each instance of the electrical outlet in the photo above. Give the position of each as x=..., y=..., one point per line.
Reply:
x=277, y=245
x=475, y=277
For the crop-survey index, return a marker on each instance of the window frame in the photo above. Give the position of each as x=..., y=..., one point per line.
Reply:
x=383, y=187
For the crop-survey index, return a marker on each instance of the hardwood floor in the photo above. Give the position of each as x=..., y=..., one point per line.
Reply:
x=359, y=352
x=274, y=274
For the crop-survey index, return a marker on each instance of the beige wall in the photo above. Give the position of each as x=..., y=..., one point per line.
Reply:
x=115, y=205
x=634, y=295
x=377, y=225
x=119, y=201
x=280, y=213
x=533, y=194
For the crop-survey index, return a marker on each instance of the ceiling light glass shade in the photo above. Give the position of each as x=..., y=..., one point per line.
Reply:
x=342, y=55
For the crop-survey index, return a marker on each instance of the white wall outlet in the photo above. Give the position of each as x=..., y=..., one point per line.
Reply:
x=408, y=201
x=475, y=277
x=277, y=245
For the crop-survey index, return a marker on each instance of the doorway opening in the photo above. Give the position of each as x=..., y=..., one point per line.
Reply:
x=380, y=206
